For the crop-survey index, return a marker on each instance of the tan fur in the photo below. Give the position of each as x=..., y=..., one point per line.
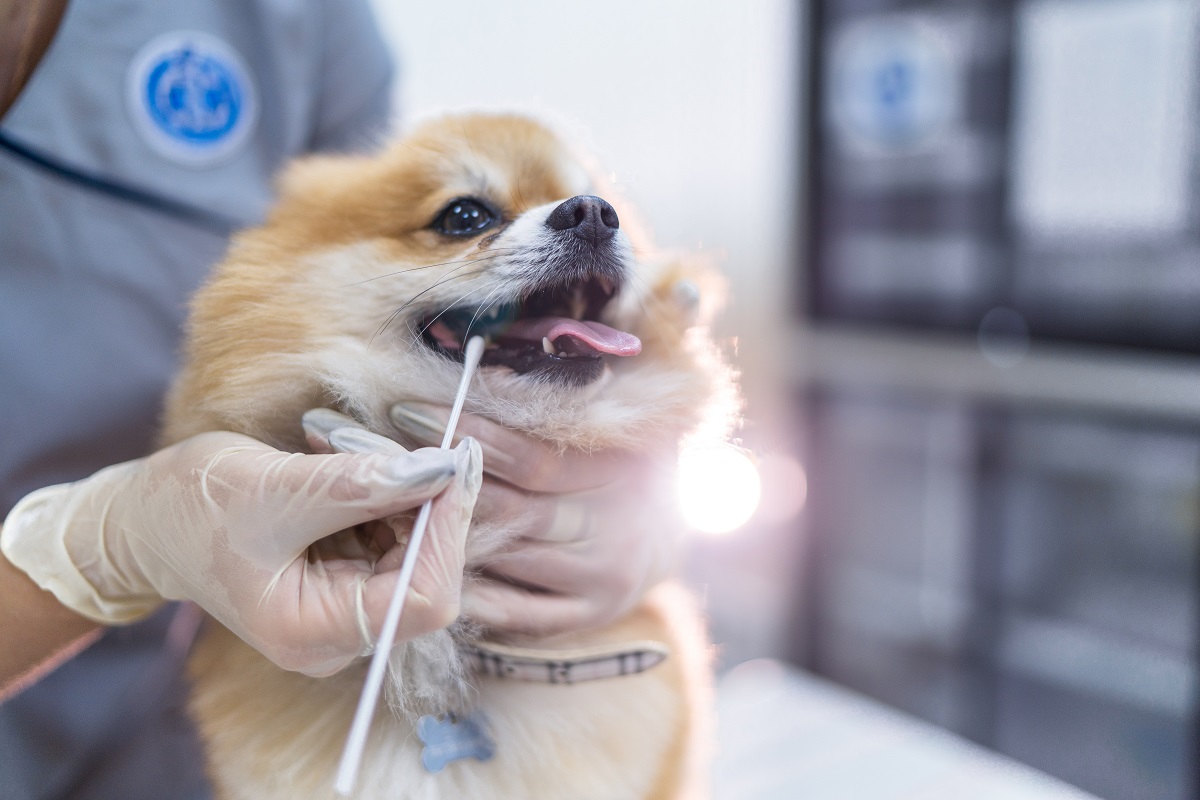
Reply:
x=294, y=319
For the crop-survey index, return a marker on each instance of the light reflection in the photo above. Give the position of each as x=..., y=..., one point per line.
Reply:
x=718, y=487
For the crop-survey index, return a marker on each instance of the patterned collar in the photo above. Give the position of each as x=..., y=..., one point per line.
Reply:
x=565, y=666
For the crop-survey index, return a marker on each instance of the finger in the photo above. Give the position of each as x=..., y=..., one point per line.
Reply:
x=360, y=440
x=346, y=618
x=373, y=486
x=322, y=494
x=511, y=609
x=532, y=516
x=306, y=622
x=318, y=423
x=519, y=513
x=553, y=567
x=422, y=613
x=514, y=457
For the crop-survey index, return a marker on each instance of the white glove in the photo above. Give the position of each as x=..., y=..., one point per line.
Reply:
x=592, y=532
x=240, y=528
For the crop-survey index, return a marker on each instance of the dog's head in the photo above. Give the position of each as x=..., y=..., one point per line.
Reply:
x=371, y=273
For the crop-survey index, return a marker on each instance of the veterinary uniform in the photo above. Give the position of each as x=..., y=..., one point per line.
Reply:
x=199, y=103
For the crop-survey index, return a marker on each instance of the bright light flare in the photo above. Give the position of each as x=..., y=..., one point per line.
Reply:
x=718, y=487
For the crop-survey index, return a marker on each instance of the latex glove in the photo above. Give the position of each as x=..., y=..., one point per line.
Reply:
x=592, y=532
x=229, y=522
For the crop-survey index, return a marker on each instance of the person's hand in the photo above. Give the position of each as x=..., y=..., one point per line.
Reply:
x=592, y=532
x=229, y=522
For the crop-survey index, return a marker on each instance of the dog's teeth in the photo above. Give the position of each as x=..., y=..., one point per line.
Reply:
x=605, y=284
x=547, y=345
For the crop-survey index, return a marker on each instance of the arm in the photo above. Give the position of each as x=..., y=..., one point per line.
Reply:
x=38, y=631
x=29, y=27
x=262, y=539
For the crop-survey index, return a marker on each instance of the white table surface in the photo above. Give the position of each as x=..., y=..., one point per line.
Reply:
x=787, y=735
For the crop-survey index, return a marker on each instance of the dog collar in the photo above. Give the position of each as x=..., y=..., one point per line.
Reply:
x=566, y=666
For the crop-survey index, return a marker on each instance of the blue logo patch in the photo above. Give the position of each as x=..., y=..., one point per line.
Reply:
x=191, y=98
x=894, y=84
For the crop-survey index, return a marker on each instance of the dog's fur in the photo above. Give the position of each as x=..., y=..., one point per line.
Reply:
x=304, y=314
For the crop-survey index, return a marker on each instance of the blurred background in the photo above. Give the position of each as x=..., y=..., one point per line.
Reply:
x=963, y=245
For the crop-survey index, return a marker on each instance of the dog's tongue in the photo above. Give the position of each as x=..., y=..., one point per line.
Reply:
x=585, y=337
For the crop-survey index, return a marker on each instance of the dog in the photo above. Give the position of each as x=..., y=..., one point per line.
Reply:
x=357, y=293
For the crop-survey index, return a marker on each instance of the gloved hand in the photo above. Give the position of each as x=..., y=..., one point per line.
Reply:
x=593, y=532
x=229, y=522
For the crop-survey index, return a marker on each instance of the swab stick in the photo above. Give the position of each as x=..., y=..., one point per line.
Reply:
x=357, y=740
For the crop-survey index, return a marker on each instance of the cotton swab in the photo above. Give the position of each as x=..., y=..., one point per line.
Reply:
x=357, y=740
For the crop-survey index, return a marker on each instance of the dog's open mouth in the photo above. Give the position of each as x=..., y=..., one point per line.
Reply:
x=554, y=331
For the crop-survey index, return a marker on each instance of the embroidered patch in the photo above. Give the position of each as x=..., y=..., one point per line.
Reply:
x=191, y=97
x=449, y=739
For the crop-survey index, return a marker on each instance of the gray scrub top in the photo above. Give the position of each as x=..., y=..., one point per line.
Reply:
x=195, y=101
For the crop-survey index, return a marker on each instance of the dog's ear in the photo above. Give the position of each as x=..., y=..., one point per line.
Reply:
x=689, y=291
x=685, y=293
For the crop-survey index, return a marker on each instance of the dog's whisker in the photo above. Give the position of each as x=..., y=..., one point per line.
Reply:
x=395, y=314
x=444, y=279
x=427, y=325
x=392, y=317
x=483, y=308
x=455, y=303
x=498, y=251
x=520, y=198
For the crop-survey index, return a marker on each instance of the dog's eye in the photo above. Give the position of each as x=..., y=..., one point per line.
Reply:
x=464, y=217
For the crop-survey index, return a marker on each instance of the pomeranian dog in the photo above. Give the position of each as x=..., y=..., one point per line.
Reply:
x=358, y=293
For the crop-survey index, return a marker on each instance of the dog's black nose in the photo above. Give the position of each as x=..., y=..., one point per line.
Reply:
x=590, y=217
